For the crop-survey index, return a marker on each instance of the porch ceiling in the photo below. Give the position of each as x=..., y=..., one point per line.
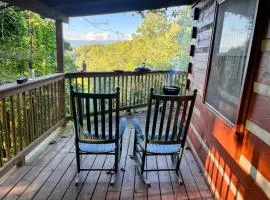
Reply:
x=62, y=9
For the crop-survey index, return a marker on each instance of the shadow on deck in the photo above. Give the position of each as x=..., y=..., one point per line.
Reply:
x=50, y=174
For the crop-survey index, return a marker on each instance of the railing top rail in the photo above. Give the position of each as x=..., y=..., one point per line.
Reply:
x=10, y=89
x=110, y=74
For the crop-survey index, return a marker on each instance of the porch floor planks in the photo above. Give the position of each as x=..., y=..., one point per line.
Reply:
x=49, y=172
x=66, y=187
x=114, y=192
x=178, y=190
x=166, y=189
x=19, y=173
x=52, y=176
x=152, y=177
x=198, y=176
x=24, y=183
x=127, y=189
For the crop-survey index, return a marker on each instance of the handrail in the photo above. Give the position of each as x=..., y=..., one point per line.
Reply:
x=14, y=88
x=125, y=73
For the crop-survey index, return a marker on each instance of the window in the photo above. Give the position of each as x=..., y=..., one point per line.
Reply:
x=234, y=27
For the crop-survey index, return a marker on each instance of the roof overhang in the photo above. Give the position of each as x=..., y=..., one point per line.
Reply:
x=62, y=9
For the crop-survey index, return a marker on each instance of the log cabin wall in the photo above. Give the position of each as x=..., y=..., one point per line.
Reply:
x=234, y=168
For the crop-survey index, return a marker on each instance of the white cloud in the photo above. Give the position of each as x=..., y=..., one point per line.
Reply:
x=97, y=36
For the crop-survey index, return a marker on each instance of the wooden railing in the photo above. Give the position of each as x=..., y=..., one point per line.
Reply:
x=134, y=87
x=28, y=114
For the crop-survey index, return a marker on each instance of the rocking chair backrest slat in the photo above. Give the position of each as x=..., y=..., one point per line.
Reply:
x=79, y=107
x=148, y=111
x=110, y=119
x=155, y=119
x=95, y=117
x=162, y=119
x=103, y=118
x=176, y=112
x=183, y=117
x=169, y=120
x=88, y=119
x=178, y=105
x=103, y=105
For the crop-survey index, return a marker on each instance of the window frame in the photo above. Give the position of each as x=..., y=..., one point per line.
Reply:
x=241, y=98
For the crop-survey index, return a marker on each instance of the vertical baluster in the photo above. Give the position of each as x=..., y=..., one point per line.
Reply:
x=1, y=137
x=41, y=110
x=5, y=130
x=35, y=119
x=38, y=112
x=19, y=118
x=104, y=84
x=31, y=123
x=88, y=85
x=55, y=102
x=137, y=90
x=76, y=84
x=95, y=85
x=145, y=89
x=99, y=84
x=149, y=86
x=155, y=82
x=99, y=90
x=122, y=91
x=126, y=91
x=44, y=109
x=51, y=105
x=25, y=124
x=110, y=87
x=48, y=106
x=82, y=80
x=130, y=91
x=13, y=128
x=141, y=90
x=114, y=83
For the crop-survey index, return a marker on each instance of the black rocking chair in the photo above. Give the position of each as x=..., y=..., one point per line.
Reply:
x=170, y=141
x=106, y=139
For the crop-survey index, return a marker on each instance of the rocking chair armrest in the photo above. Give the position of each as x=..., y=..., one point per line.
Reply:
x=122, y=126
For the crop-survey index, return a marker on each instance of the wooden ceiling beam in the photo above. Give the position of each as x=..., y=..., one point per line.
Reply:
x=40, y=8
x=74, y=9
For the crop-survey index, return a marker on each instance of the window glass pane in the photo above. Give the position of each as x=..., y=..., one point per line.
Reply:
x=232, y=39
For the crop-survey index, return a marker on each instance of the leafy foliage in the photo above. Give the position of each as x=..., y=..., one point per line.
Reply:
x=28, y=41
x=158, y=42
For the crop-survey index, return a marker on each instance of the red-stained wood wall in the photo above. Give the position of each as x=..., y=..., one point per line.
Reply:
x=235, y=167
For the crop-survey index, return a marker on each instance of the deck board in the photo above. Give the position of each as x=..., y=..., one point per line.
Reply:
x=51, y=175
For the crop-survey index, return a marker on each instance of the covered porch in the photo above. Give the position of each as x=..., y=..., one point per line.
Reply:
x=38, y=136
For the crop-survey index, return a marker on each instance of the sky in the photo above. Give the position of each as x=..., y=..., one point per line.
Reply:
x=118, y=26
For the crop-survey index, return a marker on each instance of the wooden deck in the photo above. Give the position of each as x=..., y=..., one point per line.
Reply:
x=50, y=174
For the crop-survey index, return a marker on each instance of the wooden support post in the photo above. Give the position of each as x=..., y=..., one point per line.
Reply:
x=60, y=65
x=59, y=46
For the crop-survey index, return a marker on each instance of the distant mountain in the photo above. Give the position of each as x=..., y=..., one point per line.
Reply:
x=78, y=43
